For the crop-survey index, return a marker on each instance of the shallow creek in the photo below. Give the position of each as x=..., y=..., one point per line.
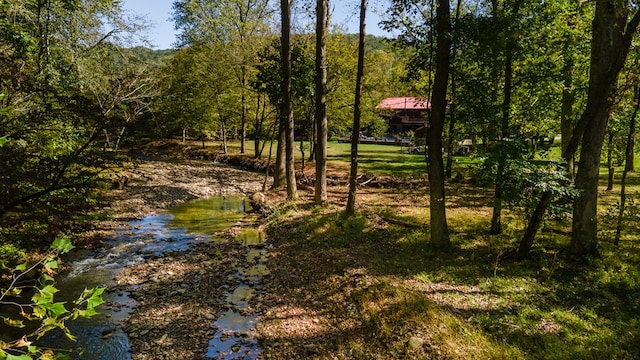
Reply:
x=102, y=337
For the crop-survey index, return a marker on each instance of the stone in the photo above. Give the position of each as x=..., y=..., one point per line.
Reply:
x=416, y=343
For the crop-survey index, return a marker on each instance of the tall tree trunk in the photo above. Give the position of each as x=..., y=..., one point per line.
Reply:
x=496, y=225
x=628, y=159
x=631, y=139
x=610, y=166
x=452, y=113
x=355, y=136
x=224, y=137
x=243, y=124
x=611, y=41
x=320, y=117
x=567, y=101
x=258, y=121
x=279, y=174
x=439, y=229
x=287, y=108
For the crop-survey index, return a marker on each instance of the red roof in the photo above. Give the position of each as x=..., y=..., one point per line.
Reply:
x=405, y=103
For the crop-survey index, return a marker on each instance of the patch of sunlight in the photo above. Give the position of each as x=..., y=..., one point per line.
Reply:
x=294, y=322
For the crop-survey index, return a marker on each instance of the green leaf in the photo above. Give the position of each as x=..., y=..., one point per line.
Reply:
x=3, y=140
x=62, y=244
x=57, y=309
x=21, y=267
x=20, y=357
x=84, y=313
x=45, y=295
x=51, y=264
x=96, y=298
x=46, y=278
x=39, y=312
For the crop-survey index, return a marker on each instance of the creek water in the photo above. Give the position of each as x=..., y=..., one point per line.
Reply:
x=232, y=339
x=102, y=337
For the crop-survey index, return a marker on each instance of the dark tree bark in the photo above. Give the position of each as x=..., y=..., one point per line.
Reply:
x=320, y=118
x=611, y=40
x=566, y=111
x=496, y=224
x=287, y=108
x=628, y=159
x=355, y=135
x=610, y=167
x=243, y=115
x=452, y=115
x=280, y=168
x=438, y=218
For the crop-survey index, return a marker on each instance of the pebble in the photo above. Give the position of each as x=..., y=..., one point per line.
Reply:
x=416, y=342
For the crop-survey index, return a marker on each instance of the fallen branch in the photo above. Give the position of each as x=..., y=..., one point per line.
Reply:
x=402, y=222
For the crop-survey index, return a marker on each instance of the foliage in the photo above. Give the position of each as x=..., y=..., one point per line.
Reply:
x=41, y=309
x=525, y=180
x=47, y=61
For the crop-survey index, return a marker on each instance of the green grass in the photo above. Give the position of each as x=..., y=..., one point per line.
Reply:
x=469, y=303
x=372, y=158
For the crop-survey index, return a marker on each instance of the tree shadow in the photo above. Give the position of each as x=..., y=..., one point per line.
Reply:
x=374, y=286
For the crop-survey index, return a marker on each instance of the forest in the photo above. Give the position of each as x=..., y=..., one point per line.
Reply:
x=524, y=245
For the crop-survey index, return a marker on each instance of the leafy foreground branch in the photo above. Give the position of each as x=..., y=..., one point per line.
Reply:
x=42, y=311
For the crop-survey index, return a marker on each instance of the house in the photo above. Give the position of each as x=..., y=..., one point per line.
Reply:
x=404, y=113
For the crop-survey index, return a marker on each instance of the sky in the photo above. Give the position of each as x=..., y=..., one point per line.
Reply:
x=162, y=35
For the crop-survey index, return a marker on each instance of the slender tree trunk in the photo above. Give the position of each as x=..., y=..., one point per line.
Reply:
x=610, y=166
x=224, y=137
x=631, y=139
x=320, y=117
x=566, y=111
x=452, y=113
x=533, y=224
x=258, y=129
x=496, y=225
x=243, y=127
x=439, y=229
x=281, y=159
x=287, y=109
x=355, y=137
x=628, y=159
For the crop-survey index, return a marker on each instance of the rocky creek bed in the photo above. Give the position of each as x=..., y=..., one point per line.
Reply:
x=183, y=295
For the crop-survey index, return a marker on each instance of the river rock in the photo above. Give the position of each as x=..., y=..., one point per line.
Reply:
x=416, y=343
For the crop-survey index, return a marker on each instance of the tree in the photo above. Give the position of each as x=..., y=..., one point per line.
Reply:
x=439, y=229
x=629, y=150
x=244, y=26
x=510, y=43
x=613, y=28
x=320, y=119
x=200, y=95
x=355, y=134
x=613, y=32
x=54, y=123
x=286, y=114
